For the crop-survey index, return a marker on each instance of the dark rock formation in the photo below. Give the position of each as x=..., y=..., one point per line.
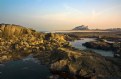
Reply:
x=84, y=65
x=115, y=46
x=117, y=49
x=98, y=45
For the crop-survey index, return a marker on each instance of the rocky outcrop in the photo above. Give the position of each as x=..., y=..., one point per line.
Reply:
x=98, y=45
x=17, y=42
x=11, y=30
x=101, y=45
x=84, y=65
x=117, y=49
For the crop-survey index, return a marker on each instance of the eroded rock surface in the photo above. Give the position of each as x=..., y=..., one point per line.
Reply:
x=84, y=65
x=11, y=29
x=17, y=41
x=115, y=46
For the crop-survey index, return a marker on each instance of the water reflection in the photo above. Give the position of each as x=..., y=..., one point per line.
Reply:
x=78, y=44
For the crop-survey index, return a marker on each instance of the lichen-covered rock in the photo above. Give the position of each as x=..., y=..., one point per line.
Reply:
x=22, y=41
x=11, y=30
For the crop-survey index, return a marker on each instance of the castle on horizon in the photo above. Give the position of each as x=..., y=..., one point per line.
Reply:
x=82, y=27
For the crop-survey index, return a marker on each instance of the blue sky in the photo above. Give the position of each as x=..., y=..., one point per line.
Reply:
x=61, y=14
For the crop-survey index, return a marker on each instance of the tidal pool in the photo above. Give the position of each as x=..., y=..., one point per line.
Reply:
x=27, y=68
x=78, y=44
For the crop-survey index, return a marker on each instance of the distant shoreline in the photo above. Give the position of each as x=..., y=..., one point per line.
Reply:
x=63, y=31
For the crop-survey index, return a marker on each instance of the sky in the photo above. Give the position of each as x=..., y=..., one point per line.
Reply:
x=47, y=15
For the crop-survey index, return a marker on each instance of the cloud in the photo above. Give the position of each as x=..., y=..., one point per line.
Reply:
x=69, y=13
x=72, y=9
x=96, y=14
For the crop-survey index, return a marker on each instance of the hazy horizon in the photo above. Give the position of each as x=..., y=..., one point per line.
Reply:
x=61, y=14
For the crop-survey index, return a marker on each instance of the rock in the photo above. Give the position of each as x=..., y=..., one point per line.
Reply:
x=24, y=49
x=2, y=43
x=59, y=65
x=11, y=29
x=98, y=45
x=82, y=72
x=4, y=57
x=115, y=47
x=42, y=48
x=86, y=66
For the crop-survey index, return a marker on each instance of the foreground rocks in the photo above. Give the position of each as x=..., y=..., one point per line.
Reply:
x=17, y=42
x=55, y=51
x=84, y=65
